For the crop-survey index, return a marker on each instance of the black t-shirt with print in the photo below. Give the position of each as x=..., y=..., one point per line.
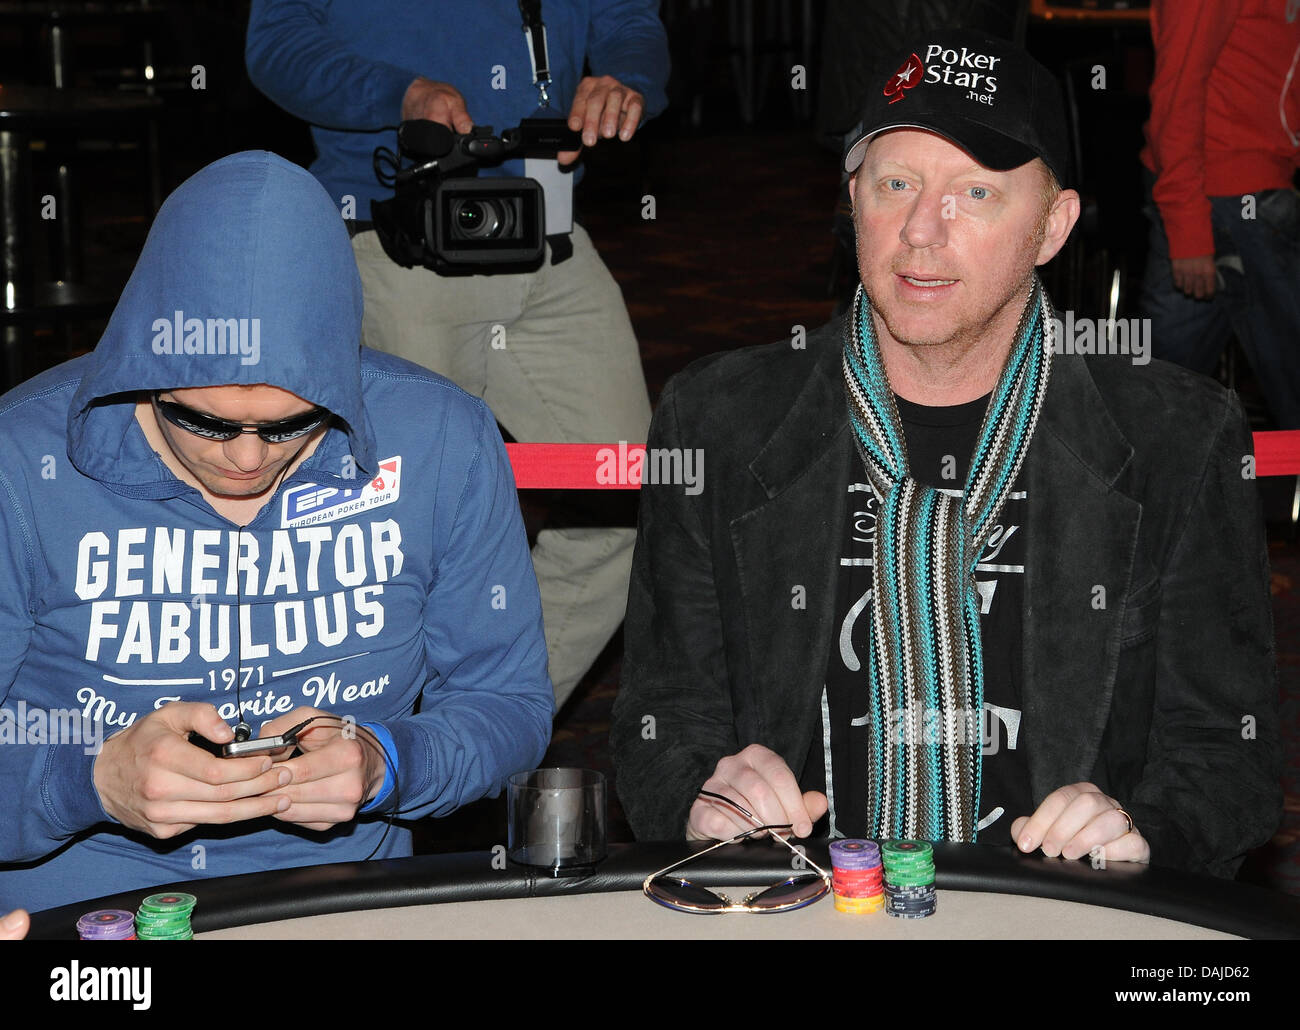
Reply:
x=939, y=446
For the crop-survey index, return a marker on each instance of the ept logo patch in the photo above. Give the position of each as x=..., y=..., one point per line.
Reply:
x=311, y=504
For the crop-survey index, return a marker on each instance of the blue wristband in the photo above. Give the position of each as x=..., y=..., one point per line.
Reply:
x=389, y=747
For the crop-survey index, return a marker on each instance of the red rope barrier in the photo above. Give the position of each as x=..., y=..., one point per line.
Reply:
x=619, y=466
x=1277, y=453
x=576, y=466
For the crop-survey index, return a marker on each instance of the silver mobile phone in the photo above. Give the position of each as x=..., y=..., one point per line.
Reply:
x=262, y=745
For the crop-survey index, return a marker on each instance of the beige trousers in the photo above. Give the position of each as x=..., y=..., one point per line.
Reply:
x=553, y=354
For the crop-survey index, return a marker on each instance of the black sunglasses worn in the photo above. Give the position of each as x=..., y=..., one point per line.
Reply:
x=212, y=428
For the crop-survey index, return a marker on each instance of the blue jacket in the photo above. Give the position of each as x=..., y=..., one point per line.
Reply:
x=389, y=574
x=344, y=66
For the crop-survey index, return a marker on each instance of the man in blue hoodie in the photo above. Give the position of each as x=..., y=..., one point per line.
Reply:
x=552, y=351
x=231, y=513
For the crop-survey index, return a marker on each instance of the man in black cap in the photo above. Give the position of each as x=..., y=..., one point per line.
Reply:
x=948, y=579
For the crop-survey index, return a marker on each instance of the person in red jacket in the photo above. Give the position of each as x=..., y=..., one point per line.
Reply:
x=1223, y=143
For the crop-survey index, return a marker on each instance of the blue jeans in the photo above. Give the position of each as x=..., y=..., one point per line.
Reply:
x=1257, y=296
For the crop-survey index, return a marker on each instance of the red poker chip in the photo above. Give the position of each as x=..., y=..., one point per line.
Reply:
x=857, y=881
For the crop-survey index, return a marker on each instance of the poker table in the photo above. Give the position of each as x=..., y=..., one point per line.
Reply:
x=984, y=893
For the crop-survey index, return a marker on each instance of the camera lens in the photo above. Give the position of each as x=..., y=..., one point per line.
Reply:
x=478, y=219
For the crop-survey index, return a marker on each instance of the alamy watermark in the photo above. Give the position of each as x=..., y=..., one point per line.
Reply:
x=30, y=725
x=1118, y=336
x=75, y=982
x=190, y=336
x=635, y=465
x=916, y=725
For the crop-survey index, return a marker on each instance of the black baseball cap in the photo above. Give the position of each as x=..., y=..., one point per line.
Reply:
x=984, y=94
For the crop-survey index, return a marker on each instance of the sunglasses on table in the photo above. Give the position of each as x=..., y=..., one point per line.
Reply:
x=795, y=891
x=212, y=428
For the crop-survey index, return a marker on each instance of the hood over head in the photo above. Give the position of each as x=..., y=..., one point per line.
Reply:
x=247, y=276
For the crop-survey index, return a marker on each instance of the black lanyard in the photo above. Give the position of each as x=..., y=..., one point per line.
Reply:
x=535, y=34
x=561, y=244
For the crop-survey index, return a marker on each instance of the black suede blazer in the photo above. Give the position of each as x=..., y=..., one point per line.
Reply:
x=1159, y=687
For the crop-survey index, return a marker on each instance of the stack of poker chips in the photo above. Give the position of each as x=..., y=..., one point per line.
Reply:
x=107, y=924
x=856, y=876
x=909, y=878
x=165, y=917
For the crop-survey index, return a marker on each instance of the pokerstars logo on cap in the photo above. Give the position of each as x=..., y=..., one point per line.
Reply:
x=907, y=77
x=984, y=94
x=960, y=69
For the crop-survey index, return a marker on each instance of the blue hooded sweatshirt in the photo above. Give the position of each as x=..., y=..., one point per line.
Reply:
x=388, y=578
x=345, y=65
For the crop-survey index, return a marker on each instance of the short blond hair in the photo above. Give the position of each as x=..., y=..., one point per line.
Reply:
x=1050, y=189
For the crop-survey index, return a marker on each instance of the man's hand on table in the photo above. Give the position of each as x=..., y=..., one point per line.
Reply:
x=336, y=774
x=1075, y=819
x=758, y=779
x=151, y=778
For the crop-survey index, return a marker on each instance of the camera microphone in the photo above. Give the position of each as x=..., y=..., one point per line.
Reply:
x=430, y=140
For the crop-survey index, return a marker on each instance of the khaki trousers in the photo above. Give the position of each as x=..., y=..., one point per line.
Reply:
x=553, y=354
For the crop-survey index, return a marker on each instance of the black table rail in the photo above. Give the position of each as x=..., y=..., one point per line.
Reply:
x=477, y=876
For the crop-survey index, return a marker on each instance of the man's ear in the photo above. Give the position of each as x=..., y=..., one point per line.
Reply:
x=853, y=185
x=1060, y=220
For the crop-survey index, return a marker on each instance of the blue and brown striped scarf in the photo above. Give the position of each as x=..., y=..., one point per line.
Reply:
x=926, y=663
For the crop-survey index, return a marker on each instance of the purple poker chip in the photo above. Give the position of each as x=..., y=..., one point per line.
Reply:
x=855, y=854
x=107, y=924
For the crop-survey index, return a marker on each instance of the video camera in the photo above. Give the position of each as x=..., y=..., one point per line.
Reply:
x=442, y=217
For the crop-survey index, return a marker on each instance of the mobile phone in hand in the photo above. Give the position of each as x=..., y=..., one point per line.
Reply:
x=243, y=748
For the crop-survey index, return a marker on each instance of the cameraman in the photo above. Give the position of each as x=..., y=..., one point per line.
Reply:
x=551, y=351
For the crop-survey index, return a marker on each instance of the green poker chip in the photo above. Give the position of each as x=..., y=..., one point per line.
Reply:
x=143, y=920
x=184, y=935
x=911, y=868
x=906, y=849
x=910, y=881
x=908, y=860
x=180, y=932
x=926, y=863
x=165, y=917
x=911, y=872
x=166, y=903
x=162, y=919
x=909, y=864
x=908, y=870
